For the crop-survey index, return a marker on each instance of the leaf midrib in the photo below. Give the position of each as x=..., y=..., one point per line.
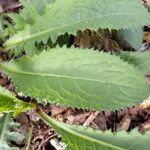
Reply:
x=55, y=75
x=33, y=35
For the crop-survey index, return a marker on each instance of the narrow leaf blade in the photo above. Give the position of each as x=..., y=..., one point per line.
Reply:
x=81, y=138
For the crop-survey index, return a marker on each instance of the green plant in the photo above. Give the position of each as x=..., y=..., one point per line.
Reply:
x=79, y=137
x=69, y=16
x=9, y=103
x=75, y=77
x=6, y=133
x=79, y=78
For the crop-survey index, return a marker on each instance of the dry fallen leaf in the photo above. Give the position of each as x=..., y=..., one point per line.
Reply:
x=145, y=126
x=147, y=36
x=101, y=40
x=124, y=124
x=147, y=3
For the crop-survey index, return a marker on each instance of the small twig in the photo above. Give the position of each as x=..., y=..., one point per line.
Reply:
x=37, y=138
x=42, y=142
x=46, y=140
x=91, y=118
x=14, y=6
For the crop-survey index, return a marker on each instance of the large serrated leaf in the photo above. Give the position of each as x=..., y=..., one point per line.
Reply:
x=81, y=138
x=78, y=78
x=9, y=103
x=6, y=133
x=70, y=15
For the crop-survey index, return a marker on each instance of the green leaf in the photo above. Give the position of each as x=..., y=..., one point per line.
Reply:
x=18, y=20
x=78, y=78
x=38, y=6
x=26, y=17
x=31, y=11
x=9, y=103
x=84, y=138
x=6, y=133
x=133, y=36
x=139, y=60
x=70, y=15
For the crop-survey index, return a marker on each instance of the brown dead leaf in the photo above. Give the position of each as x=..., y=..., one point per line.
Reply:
x=100, y=39
x=147, y=3
x=10, y=5
x=124, y=124
x=56, y=110
x=78, y=119
x=100, y=122
x=147, y=36
x=145, y=126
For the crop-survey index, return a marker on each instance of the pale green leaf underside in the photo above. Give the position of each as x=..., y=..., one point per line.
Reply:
x=140, y=60
x=6, y=134
x=81, y=138
x=9, y=103
x=70, y=15
x=78, y=78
